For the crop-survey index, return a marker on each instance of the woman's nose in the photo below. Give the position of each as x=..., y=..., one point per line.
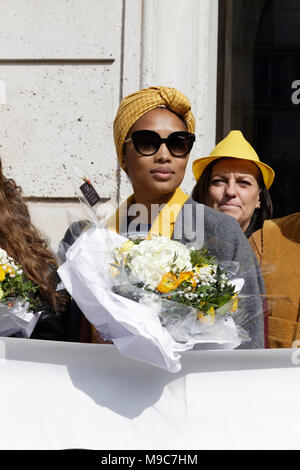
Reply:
x=163, y=154
x=230, y=189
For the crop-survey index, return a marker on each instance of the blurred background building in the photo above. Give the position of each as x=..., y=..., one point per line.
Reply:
x=66, y=64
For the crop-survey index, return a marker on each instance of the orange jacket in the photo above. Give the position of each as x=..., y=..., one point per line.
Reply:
x=277, y=248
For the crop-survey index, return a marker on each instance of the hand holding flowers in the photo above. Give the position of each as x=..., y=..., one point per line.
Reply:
x=18, y=299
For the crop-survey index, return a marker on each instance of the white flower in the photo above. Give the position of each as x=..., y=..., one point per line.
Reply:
x=206, y=274
x=151, y=259
x=9, y=264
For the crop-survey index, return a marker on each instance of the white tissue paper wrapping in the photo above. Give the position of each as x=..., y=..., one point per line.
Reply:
x=18, y=319
x=135, y=327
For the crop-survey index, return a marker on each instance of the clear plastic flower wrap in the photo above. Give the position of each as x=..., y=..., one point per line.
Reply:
x=19, y=305
x=145, y=323
x=185, y=297
x=17, y=318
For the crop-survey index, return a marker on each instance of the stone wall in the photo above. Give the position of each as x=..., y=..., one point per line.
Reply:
x=65, y=65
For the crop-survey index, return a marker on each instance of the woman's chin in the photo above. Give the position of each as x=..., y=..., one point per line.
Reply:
x=165, y=186
x=156, y=192
x=230, y=210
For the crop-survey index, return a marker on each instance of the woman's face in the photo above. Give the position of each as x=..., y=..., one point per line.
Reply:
x=158, y=175
x=234, y=190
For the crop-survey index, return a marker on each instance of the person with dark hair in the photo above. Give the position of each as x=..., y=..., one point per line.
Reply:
x=154, y=135
x=22, y=242
x=234, y=181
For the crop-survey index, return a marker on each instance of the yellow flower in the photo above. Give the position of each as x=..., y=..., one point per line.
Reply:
x=114, y=270
x=126, y=247
x=234, y=303
x=211, y=312
x=207, y=318
x=2, y=273
x=1, y=293
x=187, y=276
x=122, y=251
x=8, y=269
x=168, y=282
x=198, y=266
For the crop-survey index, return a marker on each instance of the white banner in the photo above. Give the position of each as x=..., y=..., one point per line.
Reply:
x=58, y=395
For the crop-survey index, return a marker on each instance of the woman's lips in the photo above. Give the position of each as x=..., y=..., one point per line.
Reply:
x=229, y=205
x=163, y=173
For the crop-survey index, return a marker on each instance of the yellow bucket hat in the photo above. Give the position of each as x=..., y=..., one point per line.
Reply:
x=234, y=146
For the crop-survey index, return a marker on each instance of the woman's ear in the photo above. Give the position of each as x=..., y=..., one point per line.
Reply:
x=259, y=201
x=124, y=164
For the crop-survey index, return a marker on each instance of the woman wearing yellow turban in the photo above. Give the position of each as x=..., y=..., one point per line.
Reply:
x=145, y=121
x=154, y=134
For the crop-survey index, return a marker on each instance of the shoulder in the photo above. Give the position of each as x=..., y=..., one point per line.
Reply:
x=220, y=233
x=221, y=221
x=212, y=222
x=211, y=215
x=287, y=220
x=281, y=230
x=74, y=231
x=289, y=226
x=216, y=223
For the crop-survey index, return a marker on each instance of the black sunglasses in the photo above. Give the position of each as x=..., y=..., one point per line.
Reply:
x=147, y=142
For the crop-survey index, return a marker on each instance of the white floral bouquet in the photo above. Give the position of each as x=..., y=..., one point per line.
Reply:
x=194, y=296
x=175, y=272
x=153, y=298
x=19, y=304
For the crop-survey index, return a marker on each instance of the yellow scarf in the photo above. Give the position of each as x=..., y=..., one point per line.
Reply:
x=164, y=222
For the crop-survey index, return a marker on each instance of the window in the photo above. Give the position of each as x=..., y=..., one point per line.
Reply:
x=259, y=87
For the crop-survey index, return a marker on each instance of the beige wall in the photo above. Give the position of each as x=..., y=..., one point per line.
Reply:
x=65, y=64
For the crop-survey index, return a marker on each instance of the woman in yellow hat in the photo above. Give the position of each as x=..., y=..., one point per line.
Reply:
x=234, y=181
x=154, y=134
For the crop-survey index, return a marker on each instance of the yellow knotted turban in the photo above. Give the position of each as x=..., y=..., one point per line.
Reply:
x=135, y=105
